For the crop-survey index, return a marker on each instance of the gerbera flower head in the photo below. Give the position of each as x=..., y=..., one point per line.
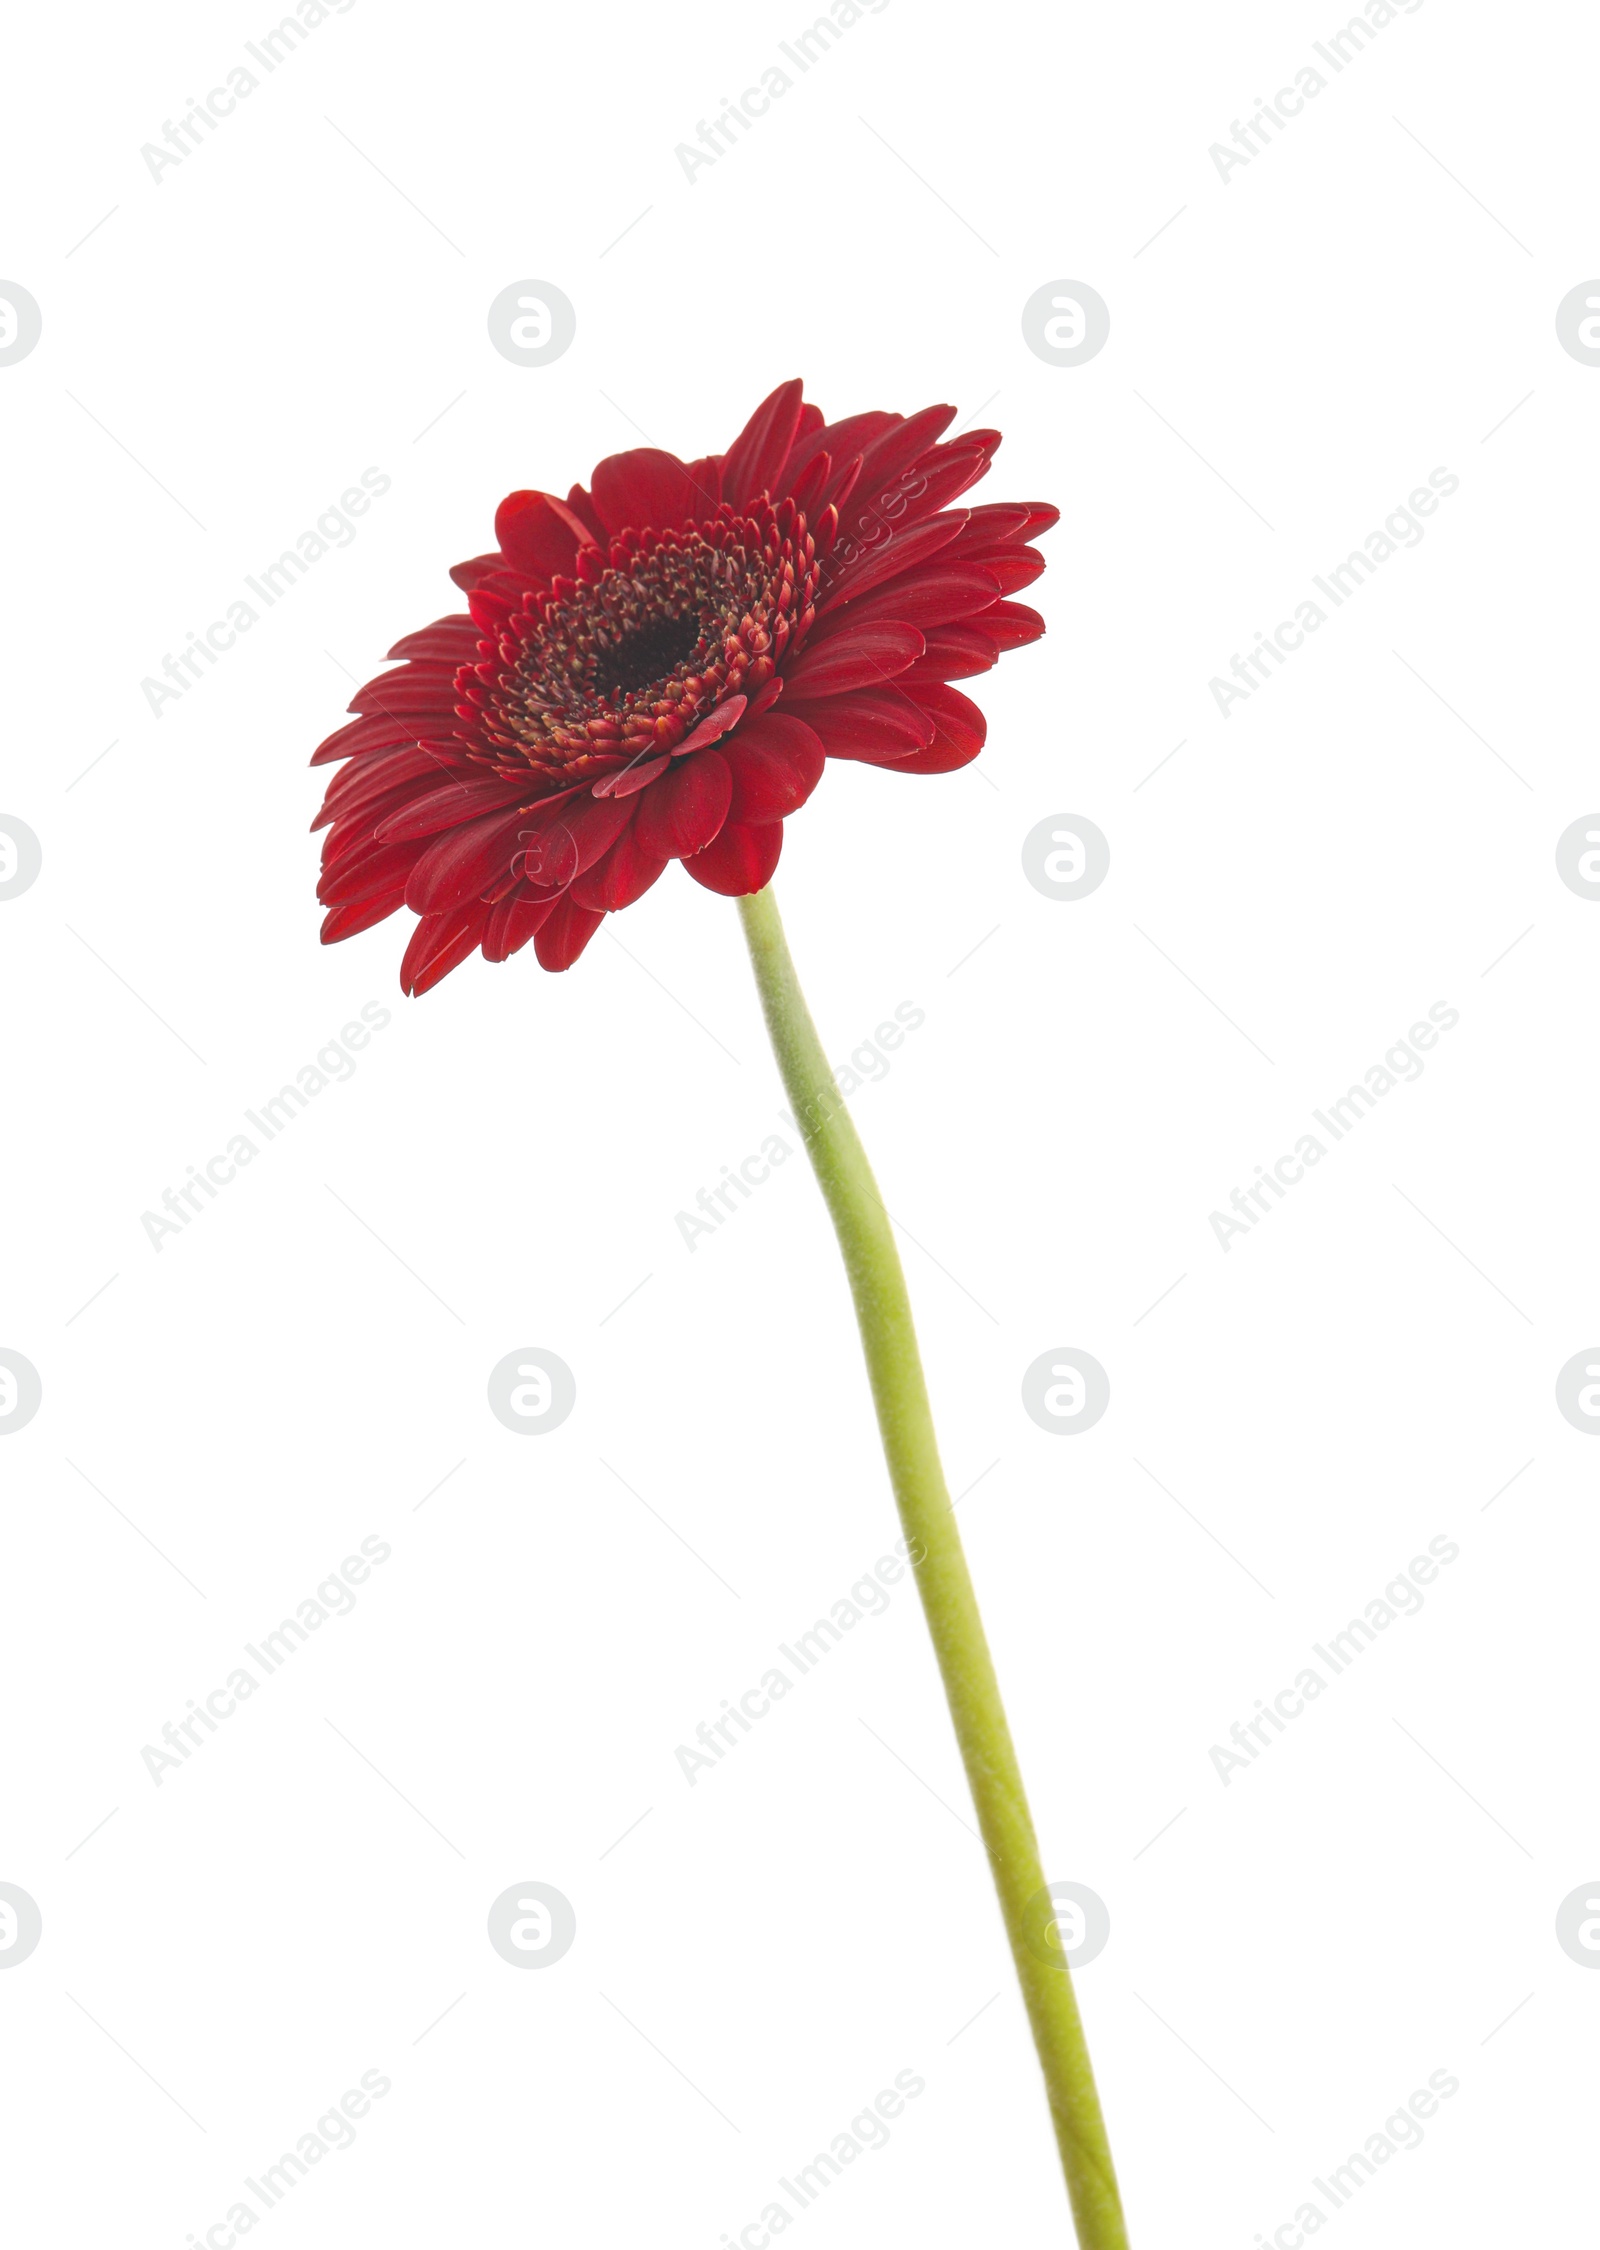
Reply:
x=659, y=667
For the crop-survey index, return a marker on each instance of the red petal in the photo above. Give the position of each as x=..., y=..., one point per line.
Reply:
x=776, y=763
x=996, y=523
x=411, y=690
x=513, y=922
x=562, y=846
x=450, y=807
x=440, y=943
x=706, y=477
x=546, y=855
x=867, y=657
x=941, y=759
x=939, y=595
x=490, y=609
x=955, y=714
x=1013, y=567
x=584, y=509
x=357, y=828
x=470, y=574
x=949, y=470
x=740, y=861
x=538, y=534
x=461, y=864
x=594, y=828
x=959, y=729
x=627, y=781
x=346, y=921
x=563, y=937
x=368, y=874
x=944, y=757
x=752, y=463
x=955, y=652
x=376, y=733
x=1013, y=624
x=716, y=724
x=805, y=490
x=643, y=488
x=847, y=441
x=843, y=439
x=455, y=638
x=374, y=771
x=625, y=873
x=960, y=732
x=874, y=562
x=682, y=812
x=887, y=463
x=766, y=697
x=885, y=724
x=373, y=777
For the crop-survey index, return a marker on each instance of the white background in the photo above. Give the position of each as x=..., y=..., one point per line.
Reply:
x=301, y=1368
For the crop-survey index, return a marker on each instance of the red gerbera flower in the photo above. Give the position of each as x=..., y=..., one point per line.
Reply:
x=658, y=668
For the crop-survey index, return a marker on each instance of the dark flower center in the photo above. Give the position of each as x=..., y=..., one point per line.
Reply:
x=644, y=655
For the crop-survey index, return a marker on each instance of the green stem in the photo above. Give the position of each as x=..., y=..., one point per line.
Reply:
x=900, y=1395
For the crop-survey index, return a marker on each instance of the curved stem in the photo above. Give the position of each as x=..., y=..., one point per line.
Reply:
x=905, y=1421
